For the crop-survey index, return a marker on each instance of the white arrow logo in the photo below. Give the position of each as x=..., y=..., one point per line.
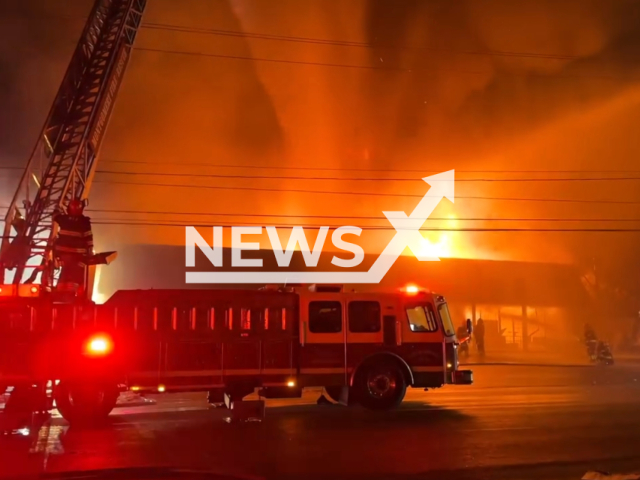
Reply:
x=407, y=235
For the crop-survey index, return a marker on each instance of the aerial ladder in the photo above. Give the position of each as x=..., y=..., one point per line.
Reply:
x=63, y=162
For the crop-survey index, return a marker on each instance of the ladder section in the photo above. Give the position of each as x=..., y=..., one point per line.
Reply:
x=63, y=161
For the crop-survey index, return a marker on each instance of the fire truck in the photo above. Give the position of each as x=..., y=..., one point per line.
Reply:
x=364, y=348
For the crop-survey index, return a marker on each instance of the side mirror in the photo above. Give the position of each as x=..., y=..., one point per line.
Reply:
x=469, y=326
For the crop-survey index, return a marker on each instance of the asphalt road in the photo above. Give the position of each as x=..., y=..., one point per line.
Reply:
x=515, y=422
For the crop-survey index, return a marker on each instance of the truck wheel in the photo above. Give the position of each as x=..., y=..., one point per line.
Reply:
x=380, y=386
x=85, y=403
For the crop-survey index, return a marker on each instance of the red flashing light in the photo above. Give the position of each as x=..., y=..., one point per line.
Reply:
x=99, y=345
x=412, y=290
x=7, y=290
x=34, y=290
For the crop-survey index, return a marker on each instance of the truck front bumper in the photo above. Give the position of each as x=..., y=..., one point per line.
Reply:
x=462, y=377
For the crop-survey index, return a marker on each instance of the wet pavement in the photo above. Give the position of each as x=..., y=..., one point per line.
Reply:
x=515, y=422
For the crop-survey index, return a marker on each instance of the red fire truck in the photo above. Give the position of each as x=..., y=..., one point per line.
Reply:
x=361, y=347
x=365, y=348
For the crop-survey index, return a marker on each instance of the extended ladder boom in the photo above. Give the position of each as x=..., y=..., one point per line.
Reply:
x=63, y=161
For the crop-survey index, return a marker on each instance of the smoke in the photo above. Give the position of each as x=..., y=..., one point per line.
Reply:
x=489, y=85
x=470, y=85
x=36, y=42
x=492, y=94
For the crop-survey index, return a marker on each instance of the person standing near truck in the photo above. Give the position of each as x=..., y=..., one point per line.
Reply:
x=464, y=337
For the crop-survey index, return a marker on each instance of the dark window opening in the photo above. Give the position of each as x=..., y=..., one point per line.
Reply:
x=364, y=317
x=325, y=317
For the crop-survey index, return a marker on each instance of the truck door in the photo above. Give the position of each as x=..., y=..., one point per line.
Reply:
x=242, y=345
x=279, y=345
x=364, y=331
x=191, y=348
x=322, y=339
x=423, y=339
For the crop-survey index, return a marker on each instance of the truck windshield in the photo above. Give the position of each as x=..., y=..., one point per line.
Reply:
x=447, y=324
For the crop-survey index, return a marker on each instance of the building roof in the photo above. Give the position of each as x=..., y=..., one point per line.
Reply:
x=477, y=281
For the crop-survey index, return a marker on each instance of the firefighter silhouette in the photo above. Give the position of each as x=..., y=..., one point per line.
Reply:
x=72, y=248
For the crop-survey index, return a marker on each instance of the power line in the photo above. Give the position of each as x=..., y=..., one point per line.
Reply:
x=432, y=230
x=330, y=42
x=311, y=40
x=368, y=67
x=349, y=217
x=348, y=43
x=360, y=179
x=385, y=170
x=359, y=217
x=337, y=169
x=380, y=228
x=371, y=194
x=277, y=60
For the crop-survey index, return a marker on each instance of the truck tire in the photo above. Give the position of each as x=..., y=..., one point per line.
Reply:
x=380, y=385
x=83, y=403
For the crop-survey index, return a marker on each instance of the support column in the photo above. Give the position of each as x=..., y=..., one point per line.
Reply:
x=525, y=329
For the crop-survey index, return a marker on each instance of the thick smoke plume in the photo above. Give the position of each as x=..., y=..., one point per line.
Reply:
x=470, y=85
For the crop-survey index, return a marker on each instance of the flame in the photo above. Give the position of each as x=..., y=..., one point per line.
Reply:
x=442, y=245
x=96, y=295
x=440, y=249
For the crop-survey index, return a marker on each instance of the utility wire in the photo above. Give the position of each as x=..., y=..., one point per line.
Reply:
x=337, y=169
x=368, y=67
x=385, y=170
x=348, y=217
x=348, y=43
x=279, y=60
x=177, y=28
x=381, y=228
x=359, y=217
x=360, y=179
x=311, y=40
x=371, y=194
x=370, y=228
x=449, y=230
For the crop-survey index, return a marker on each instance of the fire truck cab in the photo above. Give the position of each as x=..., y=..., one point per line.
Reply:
x=363, y=348
x=377, y=344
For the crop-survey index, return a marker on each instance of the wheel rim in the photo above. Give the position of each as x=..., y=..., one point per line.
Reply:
x=382, y=384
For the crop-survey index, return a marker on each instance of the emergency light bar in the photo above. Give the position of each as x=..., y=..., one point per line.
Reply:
x=413, y=289
x=326, y=288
